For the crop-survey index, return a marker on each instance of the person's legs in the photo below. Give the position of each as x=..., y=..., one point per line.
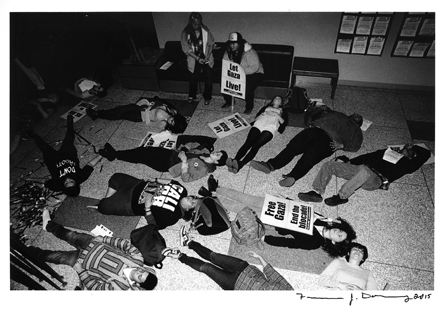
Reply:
x=231, y=267
x=330, y=168
x=363, y=178
x=130, y=112
x=252, y=81
x=228, y=99
x=78, y=240
x=253, y=134
x=57, y=257
x=296, y=146
x=208, y=75
x=155, y=157
x=263, y=138
x=235, y=201
x=316, y=149
x=194, y=78
x=68, y=141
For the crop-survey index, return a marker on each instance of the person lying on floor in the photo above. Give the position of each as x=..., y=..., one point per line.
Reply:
x=102, y=263
x=162, y=201
x=332, y=235
x=324, y=135
x=270, y=119
x=369, y=172
x=63, y=164
x=189, y=165
x=156, y=113
x=346, y=273
x=97, y=85
x=229, y=272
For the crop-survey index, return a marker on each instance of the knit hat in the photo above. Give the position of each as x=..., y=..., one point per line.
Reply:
x=235, y=37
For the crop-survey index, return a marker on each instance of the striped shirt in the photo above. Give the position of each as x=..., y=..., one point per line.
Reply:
x=253, y=279
x=104, y=263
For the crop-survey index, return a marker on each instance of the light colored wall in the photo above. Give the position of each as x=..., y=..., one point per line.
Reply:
x=313, y=34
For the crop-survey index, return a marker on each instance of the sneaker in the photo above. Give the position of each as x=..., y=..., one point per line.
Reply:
x=335, y=200
x=173, y=253
x=92, y=208
x=226, y=105
x=212, y=183
x=229, y=162
x=46, y=217
x=311, y=196
x=287, y=182
x=191, y=100
x=207, y=102
x=185, y=238
x=235, y=165
x=261, y=166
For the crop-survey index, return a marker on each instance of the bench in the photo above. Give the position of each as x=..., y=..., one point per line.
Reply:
x=276, y=59
x=316, y=67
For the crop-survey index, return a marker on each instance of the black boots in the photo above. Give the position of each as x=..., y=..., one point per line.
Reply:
x=108, y=152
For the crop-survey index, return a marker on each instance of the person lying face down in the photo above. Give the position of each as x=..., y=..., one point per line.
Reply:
x=190, y=165
x=346, y=273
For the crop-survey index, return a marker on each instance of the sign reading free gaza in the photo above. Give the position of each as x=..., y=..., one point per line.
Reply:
x=288, y=214
x=233, y=79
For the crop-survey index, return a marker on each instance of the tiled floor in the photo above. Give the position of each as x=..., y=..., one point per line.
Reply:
x=397, y=225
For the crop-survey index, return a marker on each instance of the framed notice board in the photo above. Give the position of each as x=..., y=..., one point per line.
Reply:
x=363, y=33
x=416, y=36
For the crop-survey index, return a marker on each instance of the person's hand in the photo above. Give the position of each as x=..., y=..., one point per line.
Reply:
x=254, y=254
x=329, y=220
x=348, y=286
x=182, y=156
x=336, y=146
x=201, y=61
x=77, y=267
x=98, y=238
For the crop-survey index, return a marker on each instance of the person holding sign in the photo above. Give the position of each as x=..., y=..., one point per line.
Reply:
x=270, y=119
x=197, y=43
x=369, y=172
x=346, y=273
x=333, y=235
x=241, y=52
x=330, y=132
x=190, y=165
x=229, y=272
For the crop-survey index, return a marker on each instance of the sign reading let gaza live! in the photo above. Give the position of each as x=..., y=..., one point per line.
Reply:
x=233, y=79
x=288, y=214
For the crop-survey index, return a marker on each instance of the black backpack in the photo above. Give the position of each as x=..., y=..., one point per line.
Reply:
x=296, y=100
x=150, y=243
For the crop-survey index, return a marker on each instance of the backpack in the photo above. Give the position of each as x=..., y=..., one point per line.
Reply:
x=314, y=111
x=247, y=229
x=211, y=217
x=150, y=243
x=296, y=100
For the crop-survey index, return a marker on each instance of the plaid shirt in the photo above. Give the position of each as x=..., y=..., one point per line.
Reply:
x=253, y=279
x=104, y=262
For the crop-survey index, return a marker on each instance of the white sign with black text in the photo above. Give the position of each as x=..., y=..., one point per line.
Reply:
x=233, y=79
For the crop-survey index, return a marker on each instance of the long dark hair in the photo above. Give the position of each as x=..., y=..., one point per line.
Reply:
x=189, y=27
x=339, y=248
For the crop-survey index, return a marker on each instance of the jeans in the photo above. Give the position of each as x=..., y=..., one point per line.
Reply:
x=358, y=176
x=194, y=79
x=155, y=157
x=75, y=239
x=130, y=112
x=255, y=140
x=235, y=201
x=312, y=143
x=228, y=270
x=251, y=81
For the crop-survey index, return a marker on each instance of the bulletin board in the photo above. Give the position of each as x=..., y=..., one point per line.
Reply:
x=416, y=36
x=363, y=33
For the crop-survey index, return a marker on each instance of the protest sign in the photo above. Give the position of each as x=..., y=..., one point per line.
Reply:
x=233, y=79
x=79, y=111
x=291, y=215
x=229, y=125
x=164, y=139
